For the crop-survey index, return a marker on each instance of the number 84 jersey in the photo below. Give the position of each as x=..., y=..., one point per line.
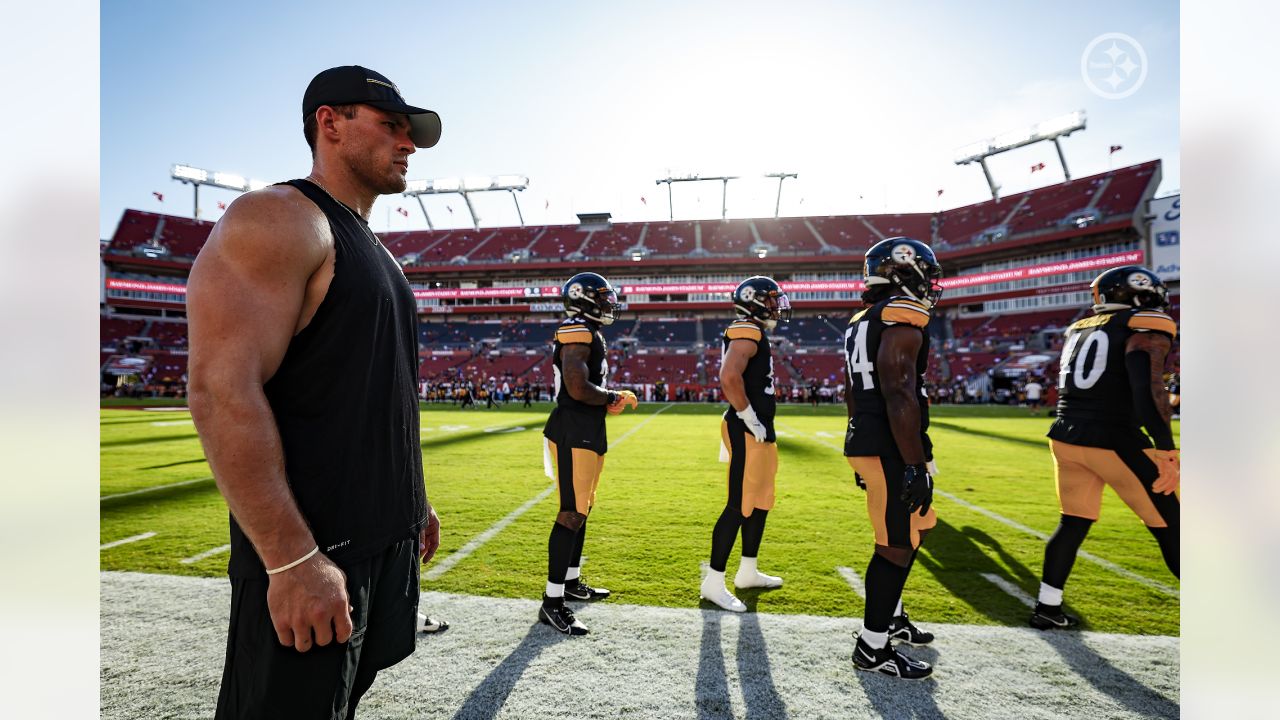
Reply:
x=869, y=433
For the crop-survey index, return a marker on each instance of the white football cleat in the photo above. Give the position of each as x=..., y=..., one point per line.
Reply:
x=756, y=580
x=431, y=625
x=716, y=593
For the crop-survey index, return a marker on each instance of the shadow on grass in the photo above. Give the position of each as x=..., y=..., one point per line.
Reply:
x=754, y=674
x=192, y=461
x=1041, y=443
x=126, y=503
x=146, y=440
x=489, y=696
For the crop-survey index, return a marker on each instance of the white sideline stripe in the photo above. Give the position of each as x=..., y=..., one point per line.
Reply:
x=854, y=581
x=206, y=554
x=1009, y=588
x=478, y=541
x=104, y=498
x=135, y=538
x=1106, y=564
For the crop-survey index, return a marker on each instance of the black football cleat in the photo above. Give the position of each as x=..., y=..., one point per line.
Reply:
x=1051, y=617
x=888, y=661
x=558, y=615
x=902, y=630
x=578, y=590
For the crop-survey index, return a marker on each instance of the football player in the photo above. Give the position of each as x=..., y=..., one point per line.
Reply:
x=1110, y=389
x=746, y=379
x=886, y=351
x=576, y=441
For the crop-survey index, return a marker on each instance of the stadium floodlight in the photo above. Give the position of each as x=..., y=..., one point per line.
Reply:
x=762, y=253
x=195, y=177
x=781, y=176
x=1051, y=130
x=671, y=179
x=464, y=187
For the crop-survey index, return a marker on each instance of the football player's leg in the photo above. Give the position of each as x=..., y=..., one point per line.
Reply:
x=900, y=626
x=757, y=500
x=887, y=571
x=575, y=587
x=1080, y=499
x=725, y=532
x=1131, y=473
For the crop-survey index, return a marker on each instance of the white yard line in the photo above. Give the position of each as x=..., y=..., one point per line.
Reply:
x=1103, y=563
x=104, y=498
x=206, y=554
x=1010, y=588
x=123, y=541
x=445, y=565
x=854, y=581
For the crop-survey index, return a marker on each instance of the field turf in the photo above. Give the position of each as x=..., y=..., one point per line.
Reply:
x=661, y=492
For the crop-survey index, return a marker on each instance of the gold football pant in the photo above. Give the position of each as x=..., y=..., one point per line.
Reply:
x=894, y=526
x=1082, y=472
x=577, y=476
x=753, y=470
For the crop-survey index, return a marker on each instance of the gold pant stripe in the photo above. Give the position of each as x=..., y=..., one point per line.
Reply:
x=871, y=468
x=1081, y=472
x=586, y=469
x=759, y=471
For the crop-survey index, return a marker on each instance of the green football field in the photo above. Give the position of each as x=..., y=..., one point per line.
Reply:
x=662, y=491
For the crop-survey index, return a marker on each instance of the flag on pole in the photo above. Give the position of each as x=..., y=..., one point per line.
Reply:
x=939, y=192
x=402, y=211
x=222, y=205
x=546, y=205
x=449, y=208
x=158, y=196
x=1115, y=149
x=643, y=201
x=1037, y=167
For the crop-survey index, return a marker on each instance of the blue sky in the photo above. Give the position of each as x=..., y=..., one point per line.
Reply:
x=594, y=101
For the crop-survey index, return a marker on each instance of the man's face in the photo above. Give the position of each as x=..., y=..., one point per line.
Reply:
x=376, y=147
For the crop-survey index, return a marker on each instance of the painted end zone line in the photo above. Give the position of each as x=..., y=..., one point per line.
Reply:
x=475, y=543
x=135, y=538
x=206, y=554
x=1107, y=564
x=1010, y=588
x=105, y=498
x=854, y=581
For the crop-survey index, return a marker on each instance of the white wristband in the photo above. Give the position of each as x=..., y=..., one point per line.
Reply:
x=295, y=563
x=748, y=415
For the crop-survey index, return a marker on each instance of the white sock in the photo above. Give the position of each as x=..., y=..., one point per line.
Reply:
x=555, y=589
x=748, y=566
x=1050, y=595
x=573, y=574
x=876, y=640
x=714, y=577
x=898, y=612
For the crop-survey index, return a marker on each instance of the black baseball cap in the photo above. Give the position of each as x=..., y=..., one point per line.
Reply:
x=354, y=84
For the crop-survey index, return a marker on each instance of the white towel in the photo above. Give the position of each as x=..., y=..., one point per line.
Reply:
x=547, y=467
x=724, y=451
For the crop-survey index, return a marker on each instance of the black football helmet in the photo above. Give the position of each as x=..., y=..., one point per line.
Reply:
x=1130, y=286
x=761, y=298
x=907, y=266
x=590, y=296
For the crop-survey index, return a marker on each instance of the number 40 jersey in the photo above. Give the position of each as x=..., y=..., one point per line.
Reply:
x=869, y=431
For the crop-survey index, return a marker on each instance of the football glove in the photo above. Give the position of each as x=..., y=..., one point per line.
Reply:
x=756, y=427
x=932, y=467
x=625, y=398
x=1170, y=464
x=917, y=489
x=857, y=480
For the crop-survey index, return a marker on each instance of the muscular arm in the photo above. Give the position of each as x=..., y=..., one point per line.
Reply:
x=1144, y=356
x=896, y=361
x=735, y=363
x=573, y=358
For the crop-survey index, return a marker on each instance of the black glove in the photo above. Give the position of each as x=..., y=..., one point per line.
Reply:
x=917, y=489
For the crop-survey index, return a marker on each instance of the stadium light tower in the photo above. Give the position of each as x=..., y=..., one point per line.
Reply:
x=1053, y=130
x=724, y=193
x=195, y=177
x=464, y=187
x=781, y=177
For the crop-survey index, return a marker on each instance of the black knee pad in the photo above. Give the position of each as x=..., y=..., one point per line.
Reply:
x=571, y=520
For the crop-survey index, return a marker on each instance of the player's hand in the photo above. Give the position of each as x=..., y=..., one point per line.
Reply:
x=1170, y=464
x=917, y=489
x=309, y=604
x=753, y=423
x=429, y=541
x=625, y=398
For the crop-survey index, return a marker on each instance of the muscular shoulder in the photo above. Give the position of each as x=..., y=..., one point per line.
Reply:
x=904, y=311
x=744, y=330
x=1153, y=320
x=276, y=224
x=574, y=332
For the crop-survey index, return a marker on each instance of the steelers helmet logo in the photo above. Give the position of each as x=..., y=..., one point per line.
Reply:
x=747, y=294
x=575, y=291
x=1139, y=281
x=903, y=253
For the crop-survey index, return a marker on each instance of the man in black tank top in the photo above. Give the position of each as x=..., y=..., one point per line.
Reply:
x=747, y=438
x=303, y=387
x=1110, y=389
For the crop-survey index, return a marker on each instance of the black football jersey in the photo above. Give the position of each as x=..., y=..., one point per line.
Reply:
x=578, y=331
x=757, y=377
x=1095, y=401
x=869, y=432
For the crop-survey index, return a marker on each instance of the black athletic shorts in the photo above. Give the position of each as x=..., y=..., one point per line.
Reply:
x=264, y=679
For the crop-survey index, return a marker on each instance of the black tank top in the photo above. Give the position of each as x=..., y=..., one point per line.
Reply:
x=345, y=401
